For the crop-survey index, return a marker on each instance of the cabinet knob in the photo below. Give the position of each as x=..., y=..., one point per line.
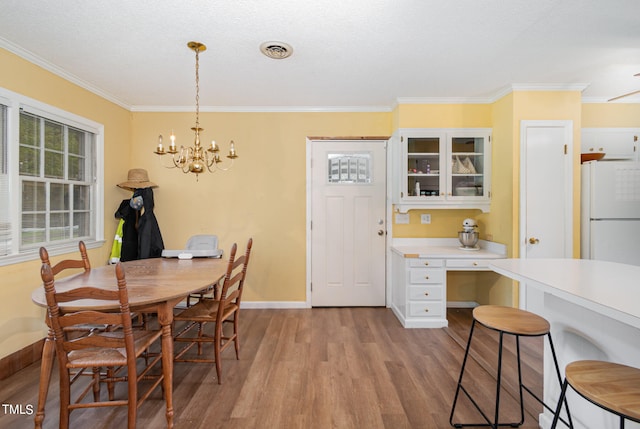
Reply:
x=426, y=277
x=426, y=310
x=426, y=294
x=426, y=263
x=475, y=264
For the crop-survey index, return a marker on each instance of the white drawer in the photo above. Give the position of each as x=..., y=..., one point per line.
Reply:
x=469, y=264
x=424, y=262
x=425, y=309
x=431, y=293
x=426, y=275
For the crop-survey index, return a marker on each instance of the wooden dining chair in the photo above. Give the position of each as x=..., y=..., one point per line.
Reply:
x=73, y=265
x=118, y=349
x=220, y=311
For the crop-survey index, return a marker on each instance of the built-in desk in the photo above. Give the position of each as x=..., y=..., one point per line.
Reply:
x=594, y=311
x=419, y=276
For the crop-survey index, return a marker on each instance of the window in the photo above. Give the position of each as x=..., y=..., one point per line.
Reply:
x=50, y=179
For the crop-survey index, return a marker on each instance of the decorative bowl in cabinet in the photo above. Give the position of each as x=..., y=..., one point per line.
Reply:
x=466, y=191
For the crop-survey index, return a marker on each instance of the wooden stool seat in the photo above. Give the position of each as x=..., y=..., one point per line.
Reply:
x=506, y=321
x=511, y=320
x=611, y=386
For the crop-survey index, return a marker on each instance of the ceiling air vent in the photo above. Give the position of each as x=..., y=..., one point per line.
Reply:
x=276, y=50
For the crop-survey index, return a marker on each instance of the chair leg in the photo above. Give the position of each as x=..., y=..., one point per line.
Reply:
x=520, y=384
x=556, y=415
x=460, y=387
x=110, y=382
x=569, y=422
x=216, y=351
x=96, y=383
x=65, y=398
x=200, y=333
x=235, y=335
x=498, y=379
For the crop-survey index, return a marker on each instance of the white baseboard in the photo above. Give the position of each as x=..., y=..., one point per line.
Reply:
x=274, y=304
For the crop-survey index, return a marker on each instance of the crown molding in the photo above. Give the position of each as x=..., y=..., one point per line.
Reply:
x=263, y=109
x=33, y=58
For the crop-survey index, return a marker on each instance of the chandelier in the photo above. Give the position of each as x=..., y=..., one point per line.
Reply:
x=196, y=158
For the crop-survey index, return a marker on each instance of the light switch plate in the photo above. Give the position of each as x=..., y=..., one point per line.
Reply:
x=402, y=218
x=425, y=218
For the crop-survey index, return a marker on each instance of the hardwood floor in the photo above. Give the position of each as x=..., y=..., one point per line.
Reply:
x=316, y=368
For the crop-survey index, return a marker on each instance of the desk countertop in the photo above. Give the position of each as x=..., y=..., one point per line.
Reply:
x=446, y=248
x=608, y=288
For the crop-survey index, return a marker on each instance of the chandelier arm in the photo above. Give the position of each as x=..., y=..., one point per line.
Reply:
x=223, y=169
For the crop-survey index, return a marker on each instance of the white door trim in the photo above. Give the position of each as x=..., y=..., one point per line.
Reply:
x=309, y=212
x=567, y=125
x=308, y=223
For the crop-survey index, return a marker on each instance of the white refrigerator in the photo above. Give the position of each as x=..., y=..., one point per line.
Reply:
x=610, y=211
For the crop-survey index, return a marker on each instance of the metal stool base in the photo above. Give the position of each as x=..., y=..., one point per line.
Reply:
x=521, y=387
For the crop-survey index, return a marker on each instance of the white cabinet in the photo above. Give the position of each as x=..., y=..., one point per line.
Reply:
x=419, y=295
x=617, y=143
x=441, y=168
x=418, y=280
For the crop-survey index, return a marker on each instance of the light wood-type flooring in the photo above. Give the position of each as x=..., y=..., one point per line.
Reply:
x=317, y=368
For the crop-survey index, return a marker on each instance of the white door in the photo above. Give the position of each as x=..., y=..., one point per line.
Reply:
x=348, y=223
x=546, y=191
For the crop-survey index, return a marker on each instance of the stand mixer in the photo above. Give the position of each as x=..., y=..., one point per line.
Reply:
x=468, y=236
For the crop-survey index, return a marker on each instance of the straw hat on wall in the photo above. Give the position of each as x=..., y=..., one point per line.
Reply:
x=137, y=178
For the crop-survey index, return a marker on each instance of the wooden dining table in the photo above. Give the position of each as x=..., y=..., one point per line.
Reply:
x=154, y=286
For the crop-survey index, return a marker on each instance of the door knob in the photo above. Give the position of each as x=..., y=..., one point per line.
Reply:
x=533, y=240
x=380, y=232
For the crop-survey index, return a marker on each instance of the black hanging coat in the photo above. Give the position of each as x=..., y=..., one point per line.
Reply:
x=129, y=249
x=150, y=244
x=141, y=237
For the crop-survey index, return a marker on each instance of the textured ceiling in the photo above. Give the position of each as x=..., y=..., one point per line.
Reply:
x=347, y=53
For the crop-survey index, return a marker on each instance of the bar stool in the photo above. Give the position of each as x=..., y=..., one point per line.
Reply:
x=511, y=321
x=611, y=386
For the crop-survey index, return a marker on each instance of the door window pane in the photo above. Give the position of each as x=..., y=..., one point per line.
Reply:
x=349, y=168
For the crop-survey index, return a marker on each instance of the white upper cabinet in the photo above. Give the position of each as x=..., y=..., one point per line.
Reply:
x=616, y=143
x=441, y=168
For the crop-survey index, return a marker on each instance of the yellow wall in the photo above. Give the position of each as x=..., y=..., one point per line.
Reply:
x=610, y=115
x=263, y=196
x=21, y=322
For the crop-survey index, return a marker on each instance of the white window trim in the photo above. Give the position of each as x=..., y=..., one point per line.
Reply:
x=14, y=103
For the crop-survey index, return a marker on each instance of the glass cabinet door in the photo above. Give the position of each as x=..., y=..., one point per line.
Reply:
x=467, y=166
x=424, y=169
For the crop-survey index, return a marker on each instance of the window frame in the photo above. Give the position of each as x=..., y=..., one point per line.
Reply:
x=15, y=103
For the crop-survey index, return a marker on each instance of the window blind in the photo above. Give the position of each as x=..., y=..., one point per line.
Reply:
x=5, y=224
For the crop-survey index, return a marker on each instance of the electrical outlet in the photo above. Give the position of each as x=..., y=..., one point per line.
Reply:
x=425, y=218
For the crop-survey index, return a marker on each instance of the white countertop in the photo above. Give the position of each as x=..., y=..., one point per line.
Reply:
x=608, y=288
x=446, y=248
